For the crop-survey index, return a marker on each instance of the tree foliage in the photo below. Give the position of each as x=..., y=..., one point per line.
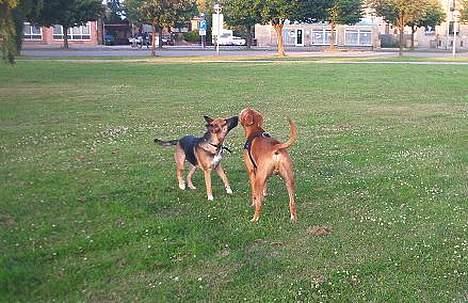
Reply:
x=114, y=11
x=276, y=12
x=400, y=13
x=463, y=11
x=158, y=13
x=242, y=14
x=342, y=12
x=7, y=30
x=68, y=13
x=432, y=14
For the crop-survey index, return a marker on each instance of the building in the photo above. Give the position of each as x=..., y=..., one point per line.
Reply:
x=365, y=34
x=87, y=34
x=442, y=36
x=372, y=32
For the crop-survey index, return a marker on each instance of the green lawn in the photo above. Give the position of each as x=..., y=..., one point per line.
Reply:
x=90, y=209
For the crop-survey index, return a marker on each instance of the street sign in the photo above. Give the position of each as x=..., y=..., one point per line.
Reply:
x=202, y=32
x=217, y=24
x=203, y=25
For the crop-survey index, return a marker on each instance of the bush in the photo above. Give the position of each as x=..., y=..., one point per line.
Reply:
x=191, y=36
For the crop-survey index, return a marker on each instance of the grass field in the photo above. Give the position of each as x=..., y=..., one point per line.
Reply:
x=90, y=209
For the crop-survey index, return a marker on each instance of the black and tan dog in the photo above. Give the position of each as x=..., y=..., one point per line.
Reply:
x=205, y=152
x=265, y=156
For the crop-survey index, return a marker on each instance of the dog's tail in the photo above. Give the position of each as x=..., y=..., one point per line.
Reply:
x=292, y=137
x=166, y=143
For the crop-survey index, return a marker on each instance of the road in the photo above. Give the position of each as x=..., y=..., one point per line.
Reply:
x=168, y=51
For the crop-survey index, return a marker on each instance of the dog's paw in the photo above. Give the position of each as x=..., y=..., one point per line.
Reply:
x=294, y=219
x=210, y=197
x=255, y=219
x=182, y=186
x=192, y=187
x=228, y=190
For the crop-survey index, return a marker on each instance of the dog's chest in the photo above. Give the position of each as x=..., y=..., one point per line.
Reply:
x=217, y=158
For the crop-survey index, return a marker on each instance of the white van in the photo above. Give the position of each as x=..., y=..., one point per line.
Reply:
x=227, y=38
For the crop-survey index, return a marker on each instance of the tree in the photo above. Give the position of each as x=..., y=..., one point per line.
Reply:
x=27, y=10
x=276, y=12
x=432, y=14
x=68, y=14
x=464, y=11
x=400, y=13
x=158, y=13
x=242, y=13
x=114, y=11
x=343, y=12
x=7, y=30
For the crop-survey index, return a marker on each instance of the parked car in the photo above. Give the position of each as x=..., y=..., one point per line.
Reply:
x=227, y=38
x=168, y=39
x=238, y=41
x=109, y=39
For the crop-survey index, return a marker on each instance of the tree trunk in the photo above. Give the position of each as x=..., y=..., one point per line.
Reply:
x=19, y=18
x=413, y=31
x=65, y=36
x=249, y=36
x=332, y=37
x=153, y=40
x=160, y=32
x=402, y=38
x=8, y=34
x=279, y=38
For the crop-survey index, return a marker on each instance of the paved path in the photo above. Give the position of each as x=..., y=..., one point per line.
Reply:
x=170, y=51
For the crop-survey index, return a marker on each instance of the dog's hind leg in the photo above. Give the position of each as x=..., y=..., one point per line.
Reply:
x=223, y=177
x=260, y=181
x=189, y=177
x=286, y=172
x=179, y=157
x=251, y=173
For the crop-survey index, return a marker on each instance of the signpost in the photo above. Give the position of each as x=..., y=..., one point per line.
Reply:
x=202, y=31
x=217, y=27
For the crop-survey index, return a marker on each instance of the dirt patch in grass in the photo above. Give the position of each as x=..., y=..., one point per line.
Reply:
x=7, y=221
x=319, y=231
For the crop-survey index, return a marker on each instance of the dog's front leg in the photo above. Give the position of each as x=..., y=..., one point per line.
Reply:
x=189, y=177
x=207, y=173
x=223, y=177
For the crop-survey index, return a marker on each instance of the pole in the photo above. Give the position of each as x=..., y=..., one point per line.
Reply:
x=454, y=50
x=217, y=35
x=448, y=25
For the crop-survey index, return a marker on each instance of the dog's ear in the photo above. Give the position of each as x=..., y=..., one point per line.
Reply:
x=248, y=119
x=232, y=122
x=258, y=120
x=208, y=119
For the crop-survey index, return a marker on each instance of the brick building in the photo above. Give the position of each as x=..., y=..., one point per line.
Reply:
x=87, y=34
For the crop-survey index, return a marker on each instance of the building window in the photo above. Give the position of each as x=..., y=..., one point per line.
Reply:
x=358, y=37
x=451, y=25
x=289, y=36
x=365, y=37
x=352, y=37
x=321, y=36
x=75, y=33
x=32, y=32
x=429, y=31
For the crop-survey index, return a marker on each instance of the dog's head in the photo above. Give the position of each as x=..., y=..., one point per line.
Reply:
x=250, y=118
x=220, y=127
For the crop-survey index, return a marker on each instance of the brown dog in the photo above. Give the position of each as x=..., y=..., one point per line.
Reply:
x=205, y=152
x=265, y=156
